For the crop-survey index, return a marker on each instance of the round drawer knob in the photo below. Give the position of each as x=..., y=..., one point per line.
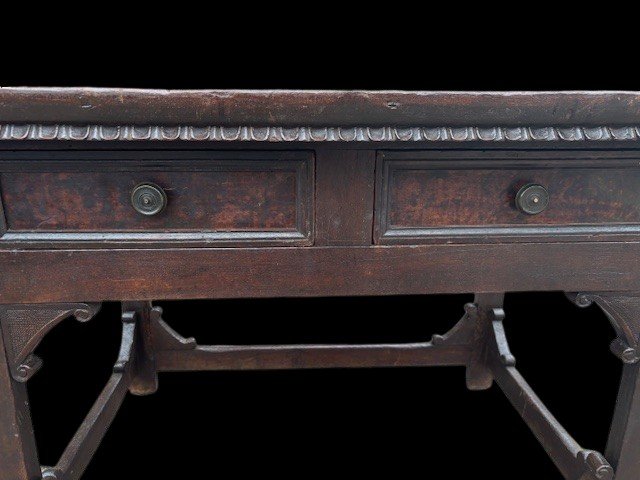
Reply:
x=532, y=199
x=148, y=199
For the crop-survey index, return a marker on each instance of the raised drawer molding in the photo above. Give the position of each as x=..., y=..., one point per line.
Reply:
x=213, y=198
x=472, y=196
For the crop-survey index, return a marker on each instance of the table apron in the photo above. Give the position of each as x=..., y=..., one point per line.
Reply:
x=35, y=276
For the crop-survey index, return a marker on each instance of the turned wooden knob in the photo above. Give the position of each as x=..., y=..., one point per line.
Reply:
x=148, y=199
x=532, y=199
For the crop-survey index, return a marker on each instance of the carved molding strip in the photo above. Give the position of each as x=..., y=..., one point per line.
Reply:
x=315, y=134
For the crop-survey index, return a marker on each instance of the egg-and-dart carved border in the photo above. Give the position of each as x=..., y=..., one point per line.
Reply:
x=314, y=134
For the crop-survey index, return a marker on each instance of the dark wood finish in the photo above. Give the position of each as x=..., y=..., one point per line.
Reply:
x=419, y=200
x=479, y=375
x=18, y=454
x=573, y=461
x=315, y=108
x=344, y=197
x=291, y=194
x=227, y=201
x=624, y=438
x=224, y=201
x=43, y=276
x=265, y=357
x=172, y=352
x=3, y=221
x=145, y=380
x=623, y=310
x=487, y=197
x=85, y=442
x=25, y=326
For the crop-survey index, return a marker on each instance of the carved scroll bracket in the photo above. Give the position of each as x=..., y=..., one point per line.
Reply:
x=502, y=345
x=24, y=327
x=78, y=454
x=126, y=345
x=462, y=332
x=620, y=309
x=166, y=338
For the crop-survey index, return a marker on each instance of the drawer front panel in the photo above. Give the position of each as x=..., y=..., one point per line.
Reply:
x=214, y=200
x=431, y=200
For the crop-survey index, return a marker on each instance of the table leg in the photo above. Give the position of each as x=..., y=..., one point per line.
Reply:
x=18, y=454
x=623, y=447
x=479, y=375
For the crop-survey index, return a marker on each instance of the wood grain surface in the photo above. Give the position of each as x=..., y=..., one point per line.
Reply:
x=113, y=106
x=344, y=197
x=420, y=196
x=218, y=200
x=129, y=274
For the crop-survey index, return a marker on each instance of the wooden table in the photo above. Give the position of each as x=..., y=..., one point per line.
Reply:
x=135, y=196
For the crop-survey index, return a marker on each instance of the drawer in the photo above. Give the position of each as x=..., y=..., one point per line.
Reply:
x=221, y=198
x=427, y=197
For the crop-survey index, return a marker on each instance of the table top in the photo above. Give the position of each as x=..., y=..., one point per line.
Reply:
x=266, y=108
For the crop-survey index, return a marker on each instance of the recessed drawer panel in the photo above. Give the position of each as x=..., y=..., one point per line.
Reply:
x=233, y=200
x=464, y=199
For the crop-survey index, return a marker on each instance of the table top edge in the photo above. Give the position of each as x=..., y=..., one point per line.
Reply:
x=316, y=108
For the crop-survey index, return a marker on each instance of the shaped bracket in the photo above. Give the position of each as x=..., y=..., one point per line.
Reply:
x=24, y=327
x=620, y=309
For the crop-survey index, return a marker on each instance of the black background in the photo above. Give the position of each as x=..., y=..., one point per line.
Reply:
x=355, y=423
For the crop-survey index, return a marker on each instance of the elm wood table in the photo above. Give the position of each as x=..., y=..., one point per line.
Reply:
x=136, y=196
